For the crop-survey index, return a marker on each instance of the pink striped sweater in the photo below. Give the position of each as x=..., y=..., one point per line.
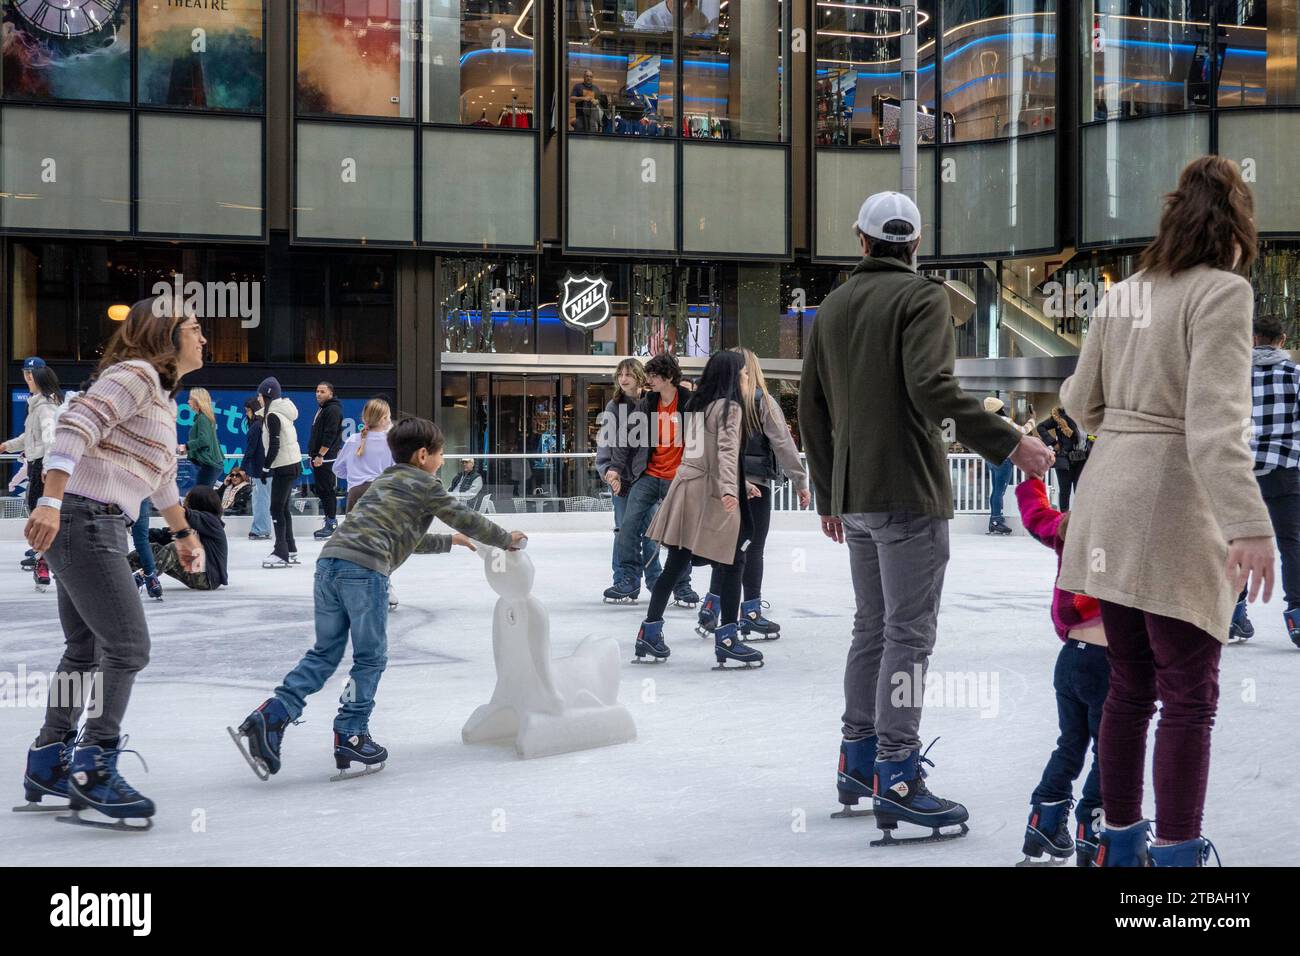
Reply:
x=118, y=440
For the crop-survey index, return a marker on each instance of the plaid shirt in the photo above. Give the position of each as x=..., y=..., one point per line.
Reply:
x=1275, y=394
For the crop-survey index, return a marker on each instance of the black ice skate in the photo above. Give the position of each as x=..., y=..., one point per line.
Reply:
x=710, y=615
x=94, y=784
x=260, y=736
x=650, y=641
x=854, y=779
x=28, y=563
x=685, y=596
x=326, y=530
x=728, y=647
x=901, y=795
x=624, y=592
x=753, y=625
x=1048, y=832
x=357, y=748
x=47, y=776
x=998, y=526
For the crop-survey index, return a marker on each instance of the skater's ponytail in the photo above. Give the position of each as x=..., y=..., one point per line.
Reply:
x=373, y=415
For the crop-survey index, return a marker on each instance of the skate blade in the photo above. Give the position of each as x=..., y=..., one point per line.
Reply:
x=121, y=825
x=258, y=766
x=1051, y=861
x=686, y=604
x=353, y=774
x=849, y=812
x=704, y=632
x=752, y=638
x=937, y=836
x=31, y=807
x=620, y=600
x=653, y=660
x=271, y=566
x=740, y=666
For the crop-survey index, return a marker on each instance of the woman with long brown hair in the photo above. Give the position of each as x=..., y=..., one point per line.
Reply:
x=1169, y=523
x=113, y=446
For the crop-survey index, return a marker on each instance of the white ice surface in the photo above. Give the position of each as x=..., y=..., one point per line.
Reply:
x=724, y=766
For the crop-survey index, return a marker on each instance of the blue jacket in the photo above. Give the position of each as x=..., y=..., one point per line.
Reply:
x=254, y=454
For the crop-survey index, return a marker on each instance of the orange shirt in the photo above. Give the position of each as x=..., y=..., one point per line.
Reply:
x=667, y=455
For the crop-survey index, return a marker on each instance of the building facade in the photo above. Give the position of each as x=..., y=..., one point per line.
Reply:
x=476, y=207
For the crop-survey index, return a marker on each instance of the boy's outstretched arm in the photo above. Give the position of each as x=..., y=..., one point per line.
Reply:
x=464, y=519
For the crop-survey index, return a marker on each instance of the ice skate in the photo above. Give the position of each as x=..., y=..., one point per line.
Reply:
x=998, y=526
x=358, y=748
x=28, y=563
x=326, y=530
x=624, y=592
x=753, y=625
x=94, y=784
x=293, y=558
x=1188, y=853
x=854, y=778
x=47, y=776
x=1292, y=618
x=686, y=597
x=1240, y=630
x=1124, y=846
x=148, y=585
x=1048, y=832
x=710, y=616
x=650, y=641
x=259, y=537
x=260, y=735
x=275, y=561
x=728, y=647
x=902, y=796
x=41, y=574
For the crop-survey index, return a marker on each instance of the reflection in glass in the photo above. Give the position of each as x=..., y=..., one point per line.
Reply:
x=731, y=74
x=52, y=52
x=620, y=77
x=478, y=62
x=1259, y=57
x=226, y=74
x=357, y=59
x=486, y=305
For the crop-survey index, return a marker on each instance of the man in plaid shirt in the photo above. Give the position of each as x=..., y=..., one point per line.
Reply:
x=1275, y=391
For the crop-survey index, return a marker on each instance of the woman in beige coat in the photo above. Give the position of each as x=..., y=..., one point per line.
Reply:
x=704, y=518
x=1167, y=503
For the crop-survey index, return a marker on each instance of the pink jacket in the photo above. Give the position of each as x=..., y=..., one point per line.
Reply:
x=1041, y=520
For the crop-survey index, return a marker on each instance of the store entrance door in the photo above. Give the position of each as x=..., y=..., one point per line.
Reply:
x=534, y=414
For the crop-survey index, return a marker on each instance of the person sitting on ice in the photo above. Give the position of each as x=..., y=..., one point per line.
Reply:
x=203, y=512
x=388, y=524
x=1081, y=680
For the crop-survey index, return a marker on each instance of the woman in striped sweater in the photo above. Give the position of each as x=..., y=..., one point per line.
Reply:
x=114, y=446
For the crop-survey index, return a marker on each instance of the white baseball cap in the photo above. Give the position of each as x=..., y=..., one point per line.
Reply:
x=881, y=208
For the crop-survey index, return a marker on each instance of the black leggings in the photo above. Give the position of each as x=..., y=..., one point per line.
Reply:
x=760, y=513
x=725, y=582
x=282, y=482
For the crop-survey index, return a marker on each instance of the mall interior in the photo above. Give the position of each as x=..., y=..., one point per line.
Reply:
x=476, y=208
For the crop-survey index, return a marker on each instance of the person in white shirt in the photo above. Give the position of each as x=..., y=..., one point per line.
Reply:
x=659, y=18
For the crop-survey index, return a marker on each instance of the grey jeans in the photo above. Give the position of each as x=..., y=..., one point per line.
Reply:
x=897, y=561
x=103, y=622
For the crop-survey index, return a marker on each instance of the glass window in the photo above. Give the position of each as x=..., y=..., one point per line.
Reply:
x=182, y=192
x=68, y=50
x=999, y=67
x=478, y=62
x=734, y=200
x=357, y=57
x=621, y=195
x=201, y=55
x=856, y=96
x=1259, y=53
x=356, y=182
x=1144, y=56
x=732, y=72
x=1128, y=167
x=999, y=197
x=1264, y=144
x=486, y=305
x=846, y=177
x=42, y=304
x=362, y=308
x=620, y=66
x=65, y=169
x=479, y=188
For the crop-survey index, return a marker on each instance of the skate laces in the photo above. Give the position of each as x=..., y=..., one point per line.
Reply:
x=1207, y=850
x=114, y=777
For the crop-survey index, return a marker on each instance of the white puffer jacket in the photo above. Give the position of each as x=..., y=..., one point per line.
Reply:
x=288, y=453
x=38, y=431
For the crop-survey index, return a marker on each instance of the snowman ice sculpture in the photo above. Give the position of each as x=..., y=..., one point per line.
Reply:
x=547, y=706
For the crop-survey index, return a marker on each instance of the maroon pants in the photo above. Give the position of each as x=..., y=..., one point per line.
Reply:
x=1157, y=658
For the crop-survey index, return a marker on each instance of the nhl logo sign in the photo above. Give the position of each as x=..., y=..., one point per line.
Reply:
x=584, y=301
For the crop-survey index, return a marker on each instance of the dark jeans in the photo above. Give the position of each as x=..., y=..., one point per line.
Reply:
x=205, y=476
x=1157, y=658
x=103, y=621
x=643, y=500
x=1001, y=475
x=140, y=538
x=649, y=547
x=1067, y=479
x=760, y=513
x=282, y=482
x=327, y=489
x=35, y=483
x=1081, y=680
x=1281, y=491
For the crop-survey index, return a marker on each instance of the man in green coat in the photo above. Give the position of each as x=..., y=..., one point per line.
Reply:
x=878, y=405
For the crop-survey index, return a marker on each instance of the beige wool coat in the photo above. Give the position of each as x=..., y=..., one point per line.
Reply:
x=1167, y=392
x=691, y=515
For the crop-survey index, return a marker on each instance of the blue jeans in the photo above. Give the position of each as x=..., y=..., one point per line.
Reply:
x=1081, y=680
x=261, y=506
x=140, y=538
x=649, y=547
x=205, y=476
x=643, y=500
x=1002, y=475
x=348, y=598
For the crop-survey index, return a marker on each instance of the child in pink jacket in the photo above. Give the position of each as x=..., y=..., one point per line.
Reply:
x=1081, y=680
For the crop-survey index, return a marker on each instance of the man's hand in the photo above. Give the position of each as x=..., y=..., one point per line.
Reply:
x=805, y=498
x=1250, y=560
x=317, y=461
x=752, y=490
x=42, y=527
x=518, y=540
x=464, y=542
x=615, y=482
x=190, y=552
x=1032, y=457
x=730, y=503
x=833, y=528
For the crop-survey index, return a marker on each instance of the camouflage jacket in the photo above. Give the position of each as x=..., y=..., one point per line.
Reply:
x=391, y=521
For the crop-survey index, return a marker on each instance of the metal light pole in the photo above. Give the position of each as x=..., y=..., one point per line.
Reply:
x=907, y=121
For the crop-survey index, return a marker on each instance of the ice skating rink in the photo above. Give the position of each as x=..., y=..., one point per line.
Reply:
x=728, y=768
